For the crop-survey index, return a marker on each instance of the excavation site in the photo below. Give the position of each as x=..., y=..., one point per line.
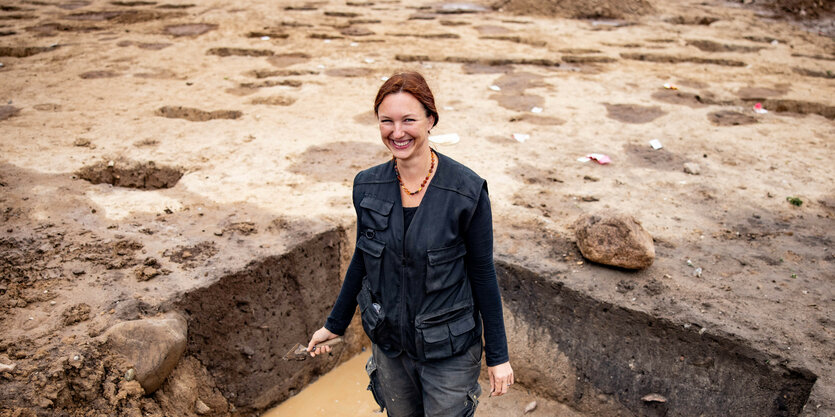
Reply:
x=176, y=212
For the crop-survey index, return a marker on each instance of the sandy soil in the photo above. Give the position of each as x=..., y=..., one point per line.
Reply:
x=139, y=130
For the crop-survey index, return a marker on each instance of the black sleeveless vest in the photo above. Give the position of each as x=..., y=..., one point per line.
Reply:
x=415, y=296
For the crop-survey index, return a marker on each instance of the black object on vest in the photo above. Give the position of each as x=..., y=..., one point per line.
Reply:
x=415, y=296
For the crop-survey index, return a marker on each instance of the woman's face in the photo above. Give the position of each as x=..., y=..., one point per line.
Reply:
x=404, y=125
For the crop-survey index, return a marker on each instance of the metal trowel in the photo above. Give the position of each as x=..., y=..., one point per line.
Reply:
x=299, y=351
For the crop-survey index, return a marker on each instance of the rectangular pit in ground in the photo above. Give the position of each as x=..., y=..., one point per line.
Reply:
x=600, y=348
x=241, y=325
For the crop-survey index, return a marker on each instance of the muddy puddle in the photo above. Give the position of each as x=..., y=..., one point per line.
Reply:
x=339, y=393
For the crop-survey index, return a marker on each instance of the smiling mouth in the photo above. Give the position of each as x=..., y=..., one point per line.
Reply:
x=400, y=144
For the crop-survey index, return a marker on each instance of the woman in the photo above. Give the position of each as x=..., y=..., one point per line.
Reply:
x=422, y=272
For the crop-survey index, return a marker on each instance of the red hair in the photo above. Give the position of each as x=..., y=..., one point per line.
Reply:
x=409, y=82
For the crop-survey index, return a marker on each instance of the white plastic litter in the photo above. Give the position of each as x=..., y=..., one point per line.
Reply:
x=320, y=66
x=521, y=137
x=536, y=110
x=265, y=38
x=368, y=61
x=384, y=78
x=583, y=159
x=354, y=44
x=447, y=139
x=656, y=144
x=327, y=41
x=495, y=88
x=449, y=108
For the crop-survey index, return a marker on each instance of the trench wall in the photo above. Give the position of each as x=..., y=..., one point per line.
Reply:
x=604, y=358
x=241, y=326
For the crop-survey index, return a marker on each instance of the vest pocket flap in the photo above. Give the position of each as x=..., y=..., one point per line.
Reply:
x=371, y=247
x=436, y=334
x=439, y=256
x=375, y=204
x=457, y=328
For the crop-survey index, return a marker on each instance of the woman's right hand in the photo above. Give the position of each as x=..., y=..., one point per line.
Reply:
x=321, y=335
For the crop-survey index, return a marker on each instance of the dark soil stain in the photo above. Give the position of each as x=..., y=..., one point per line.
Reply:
x=123, y=16
x=518, y=82
x=7, y=33
x=18, y=17
x=515, y=39
x=288, y=59
x=680, y=59
x=813, y=73
x=131, y=174
x=196, y=115
x=518, y=102
x=73, y=5
x=730, y=118
x=366, y=118
x=23, y=51
x=91, y=75
x=711, y=46
x=538, y=120
x=692, y=20
x=818, y=57
x=578, y=51
x=274, y=101
x=357, y=31
x=268, y=33
x=762, y=39
x=133, y=3
x=426, y=35
x=530, y=174
x=661, y=159
x=680, y=97
x=8, y=111
x=348, y=72
x=316, y=161
x=492, y=29
x=342, y=14
x=453, y=23
x=271, y=83
x=267, y=73
x=175, y=6
x=49, y=28
x=190, y=29
x=759, y=93
x=498, y=61
x=587, y=59
x=486, y=69
x=224, y=52
x=799, y=107
x=633, y=113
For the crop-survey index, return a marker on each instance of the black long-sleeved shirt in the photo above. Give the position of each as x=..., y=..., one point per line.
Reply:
x=480, y=271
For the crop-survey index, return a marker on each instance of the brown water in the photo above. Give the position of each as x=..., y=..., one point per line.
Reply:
x=341, y=392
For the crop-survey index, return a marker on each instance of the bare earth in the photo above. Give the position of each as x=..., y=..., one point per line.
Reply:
x=148, y=148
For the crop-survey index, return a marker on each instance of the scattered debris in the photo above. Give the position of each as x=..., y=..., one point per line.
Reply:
x=521, y=137
x=669, y=86
x=495, y=88
x=597, y=157
x=656, y=144
x=758, y=108
x=447, y=139
x=536, y=110
x=795, y=201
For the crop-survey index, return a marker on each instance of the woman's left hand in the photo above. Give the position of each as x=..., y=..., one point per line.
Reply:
x=501, y=378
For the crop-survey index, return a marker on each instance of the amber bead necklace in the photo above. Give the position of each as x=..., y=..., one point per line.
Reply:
x=431, y=168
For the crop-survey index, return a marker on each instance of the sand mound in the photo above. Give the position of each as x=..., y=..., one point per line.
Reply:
x=610, y=9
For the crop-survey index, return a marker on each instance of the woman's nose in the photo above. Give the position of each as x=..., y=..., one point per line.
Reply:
x=398, y=131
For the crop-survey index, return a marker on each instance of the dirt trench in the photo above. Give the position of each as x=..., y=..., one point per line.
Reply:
x=597, y=357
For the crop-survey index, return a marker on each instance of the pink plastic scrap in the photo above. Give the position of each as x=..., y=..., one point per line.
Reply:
x=599, y=158
x=758, y=108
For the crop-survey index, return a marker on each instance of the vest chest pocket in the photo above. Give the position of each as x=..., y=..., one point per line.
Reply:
x=445, y=267
x=372, y=251
x=374, y=213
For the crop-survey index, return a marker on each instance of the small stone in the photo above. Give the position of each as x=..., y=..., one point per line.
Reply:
x=130, y=374
x=78, y=271
x=7, y=367
x=201, y=408
x=82, y=142
x=530, y=407
x=218, y=232
x=691, y=168
x=657, y=398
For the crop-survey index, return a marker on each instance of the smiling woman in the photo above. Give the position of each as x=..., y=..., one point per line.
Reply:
x=422, y=273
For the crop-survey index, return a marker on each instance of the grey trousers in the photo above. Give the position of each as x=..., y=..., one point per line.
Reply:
x=441, y=388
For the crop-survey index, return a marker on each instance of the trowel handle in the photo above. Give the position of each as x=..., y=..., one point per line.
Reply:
x=330, y=342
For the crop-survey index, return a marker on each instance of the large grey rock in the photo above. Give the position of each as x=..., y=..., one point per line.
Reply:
x=614, y=239
x=152, y=345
